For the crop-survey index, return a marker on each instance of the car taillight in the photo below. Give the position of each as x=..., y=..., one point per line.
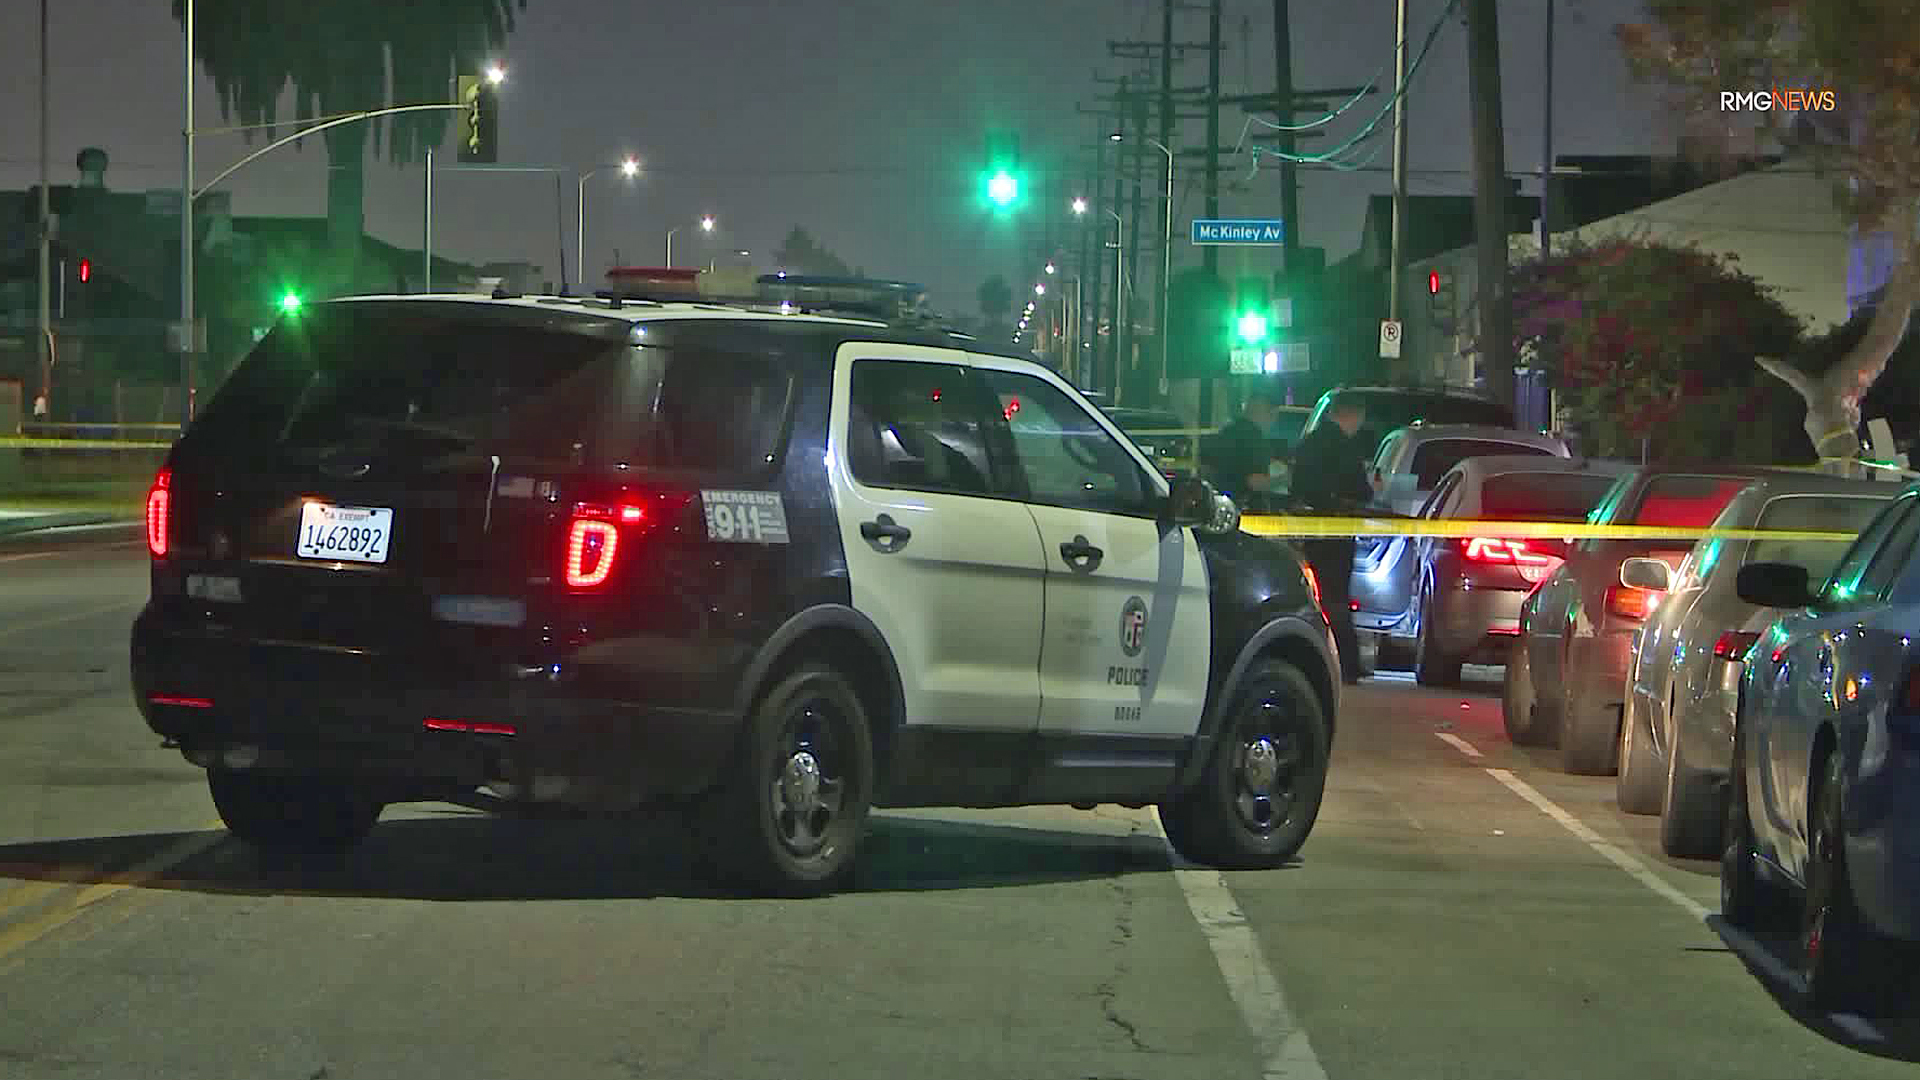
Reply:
x=1488, y=549
x=159, y=510
x=1313, y=586
x=598, y=533
x=1733, y=646
x=1631, y=603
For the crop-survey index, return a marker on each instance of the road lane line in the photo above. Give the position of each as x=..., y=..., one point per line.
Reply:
x=1458, y=743
x=70, y=551
x=71, y=617
x=20, y=935
x=1285, y=1053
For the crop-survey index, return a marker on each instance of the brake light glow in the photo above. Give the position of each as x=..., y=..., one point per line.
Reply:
x=180, y=702
x=470, y=727
x=1910, y=694
x=1631, y=603
x=592, y=543
x=1488, y=549
x=1733, y=646
x=159, y=510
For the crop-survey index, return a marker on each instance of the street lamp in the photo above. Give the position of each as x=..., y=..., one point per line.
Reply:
x=629, y=169
x=1049, y=268
x=1166, y=246
x=1039, y=290
x=1079, y=207
x=706, y=225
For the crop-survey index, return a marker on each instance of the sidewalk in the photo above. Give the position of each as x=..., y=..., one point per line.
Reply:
x=20, y=516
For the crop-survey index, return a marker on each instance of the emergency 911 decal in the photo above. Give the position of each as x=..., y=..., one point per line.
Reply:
x=745, y=517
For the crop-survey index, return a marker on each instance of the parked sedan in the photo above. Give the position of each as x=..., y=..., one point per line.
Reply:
x=1565, y=675
x=1158, y=434
x=1823, y=818
x=1451, y=601
x=1676, y=735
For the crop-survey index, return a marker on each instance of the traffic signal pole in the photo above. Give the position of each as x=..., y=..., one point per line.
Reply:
x=1211, y=254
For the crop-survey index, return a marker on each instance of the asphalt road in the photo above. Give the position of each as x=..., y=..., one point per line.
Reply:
x=1461, y=911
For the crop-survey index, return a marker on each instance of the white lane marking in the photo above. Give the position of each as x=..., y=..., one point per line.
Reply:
x=70, y=551
x=85, y=613
x=1285, y=1053
x=1612, y=853
x=1743, y=944
x=1458, y=743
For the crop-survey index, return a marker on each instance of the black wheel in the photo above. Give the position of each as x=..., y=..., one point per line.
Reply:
x=286, y=814
x=1431, y=666
x=1747, y=900
x=1842, y=958
x=1260, y=794
x=1519, y=706
x=1589, y=731
x=1691, y=810
x=789, y=818
x=1638, y=786
x=1393, y=654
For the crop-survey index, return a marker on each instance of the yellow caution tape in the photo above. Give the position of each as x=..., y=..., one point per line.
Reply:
x=1288, y=525
x=80, y=444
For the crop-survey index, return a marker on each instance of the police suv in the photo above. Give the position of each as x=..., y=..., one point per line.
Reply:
x=772, y=565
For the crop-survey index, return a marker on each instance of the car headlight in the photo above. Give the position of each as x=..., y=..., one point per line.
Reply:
x=1226, y=516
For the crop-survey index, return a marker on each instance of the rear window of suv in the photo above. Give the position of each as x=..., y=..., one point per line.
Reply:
x=543, y=387
x=1431, y=460
x=1542, y=496
x=1686, y=502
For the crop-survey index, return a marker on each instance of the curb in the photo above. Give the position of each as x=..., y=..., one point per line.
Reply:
x=25, y=526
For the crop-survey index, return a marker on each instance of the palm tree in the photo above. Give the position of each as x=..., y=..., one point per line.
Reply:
x=344, y=56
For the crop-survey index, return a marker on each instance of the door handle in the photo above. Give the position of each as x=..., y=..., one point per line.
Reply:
x=885, y=534
x=1081, y=554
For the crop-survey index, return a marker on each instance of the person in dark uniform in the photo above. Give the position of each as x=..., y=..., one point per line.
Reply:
x=1330, y=477
x=1242, y=455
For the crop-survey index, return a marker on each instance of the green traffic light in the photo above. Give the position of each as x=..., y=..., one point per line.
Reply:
x=290, y=303
x=1253, y=328
x=1003, y=188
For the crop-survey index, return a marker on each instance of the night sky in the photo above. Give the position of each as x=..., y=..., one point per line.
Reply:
x=860, y=120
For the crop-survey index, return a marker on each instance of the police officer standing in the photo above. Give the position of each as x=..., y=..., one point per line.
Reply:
x=1330, y=476
x=1241, y=454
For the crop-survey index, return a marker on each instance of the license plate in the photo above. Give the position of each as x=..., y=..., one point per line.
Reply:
x=344, y=533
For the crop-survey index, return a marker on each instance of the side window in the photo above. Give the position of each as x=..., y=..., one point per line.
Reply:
x=1067, y=457
x=1849, y=576
x=1892, y=558
x=916, y=426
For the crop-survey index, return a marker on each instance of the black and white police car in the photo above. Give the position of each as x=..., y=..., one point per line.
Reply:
x=777, y=567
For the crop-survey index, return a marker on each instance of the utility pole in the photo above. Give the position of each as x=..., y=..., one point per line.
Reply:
x=1546, y=149
x=1138, y=167
x=1397, y=260
x=187, y=334
x=46, y=220
x=1211, y=256
x=1117, y=315
x=1491, y=192
x=1082, y=328
x=1160, y=321
x=1289, y=146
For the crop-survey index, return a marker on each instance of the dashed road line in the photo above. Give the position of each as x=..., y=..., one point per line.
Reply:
x=71, y=550
x=1285, y=1053
x=1458, y=743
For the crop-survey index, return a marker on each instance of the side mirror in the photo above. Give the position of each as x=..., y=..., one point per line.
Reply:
x=1646, y=574
x=1189, y=502
x=1774, y=585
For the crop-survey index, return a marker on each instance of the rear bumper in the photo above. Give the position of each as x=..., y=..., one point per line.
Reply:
x=525, y=728
x=1477, y=623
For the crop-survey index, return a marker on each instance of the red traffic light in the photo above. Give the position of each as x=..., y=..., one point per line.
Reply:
x=86, y=270
x=1433, y=282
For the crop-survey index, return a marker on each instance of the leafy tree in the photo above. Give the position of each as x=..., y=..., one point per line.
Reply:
x=996, y=299
x=345, y=56
x=1865, y=52
x=1642, y=334
x=802, y=254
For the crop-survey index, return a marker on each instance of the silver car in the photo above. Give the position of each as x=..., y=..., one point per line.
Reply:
x=1676, y=735
x=1464, y=595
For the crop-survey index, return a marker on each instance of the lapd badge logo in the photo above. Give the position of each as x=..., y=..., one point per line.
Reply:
x=1133, y=626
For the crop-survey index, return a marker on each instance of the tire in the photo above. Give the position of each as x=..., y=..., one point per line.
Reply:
x=1692, y=805
x=1260, y=793
x=1431, y=666
x=788, y=818
x=1640, y=782
x=1589, y=734
x=287, y=814
x=1843, y=960
x=1519, y=706
x=1392, y=653
x=1747, y=900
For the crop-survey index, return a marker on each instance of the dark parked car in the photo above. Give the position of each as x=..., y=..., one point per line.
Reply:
x=1390, y=407
x=1823, y=822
